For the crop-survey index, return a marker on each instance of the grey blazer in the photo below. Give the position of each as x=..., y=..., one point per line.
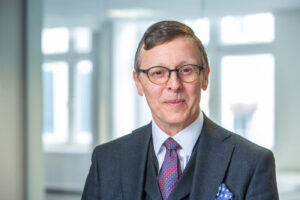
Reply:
x=248, y=170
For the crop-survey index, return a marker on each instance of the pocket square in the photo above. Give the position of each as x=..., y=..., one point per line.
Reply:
x=224, y=193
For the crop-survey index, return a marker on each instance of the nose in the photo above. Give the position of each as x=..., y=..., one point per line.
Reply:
x=174, y=82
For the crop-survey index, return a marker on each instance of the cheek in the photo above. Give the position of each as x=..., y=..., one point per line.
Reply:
x=194, y=95
x=152, y=95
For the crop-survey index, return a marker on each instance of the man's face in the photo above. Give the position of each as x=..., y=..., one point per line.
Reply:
x=175, y=104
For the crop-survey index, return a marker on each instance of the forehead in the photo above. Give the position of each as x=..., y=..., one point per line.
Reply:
x=180, y=50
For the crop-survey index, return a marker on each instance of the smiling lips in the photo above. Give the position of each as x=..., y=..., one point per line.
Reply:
x=174, y=102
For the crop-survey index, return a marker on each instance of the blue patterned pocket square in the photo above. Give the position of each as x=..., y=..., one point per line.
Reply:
x=224, y=193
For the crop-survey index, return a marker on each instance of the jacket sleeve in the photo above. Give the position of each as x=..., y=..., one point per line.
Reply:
x=263, y=182
x=91, y=189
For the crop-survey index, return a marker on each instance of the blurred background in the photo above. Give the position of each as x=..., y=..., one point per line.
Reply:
x=66, y=83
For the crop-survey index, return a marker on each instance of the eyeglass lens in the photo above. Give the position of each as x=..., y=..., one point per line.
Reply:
x=160, y=75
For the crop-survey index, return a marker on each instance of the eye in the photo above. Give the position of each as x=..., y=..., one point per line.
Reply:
x=186, y=70
x=158, y=72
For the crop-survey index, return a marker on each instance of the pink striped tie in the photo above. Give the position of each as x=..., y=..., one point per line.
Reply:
x=170, y=170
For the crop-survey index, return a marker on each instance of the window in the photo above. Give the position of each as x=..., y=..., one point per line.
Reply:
x=67, y=88
x=258, y=28
x=83, y=97
x=248, y=96
x=55, y=97
x=82, y=40
x=247, y=79
x=55, y=40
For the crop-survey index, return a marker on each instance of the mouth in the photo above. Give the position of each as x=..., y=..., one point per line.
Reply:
x=174, y=102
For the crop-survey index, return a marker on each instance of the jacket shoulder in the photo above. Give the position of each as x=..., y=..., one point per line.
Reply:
x=113, y=147
x=241, y=144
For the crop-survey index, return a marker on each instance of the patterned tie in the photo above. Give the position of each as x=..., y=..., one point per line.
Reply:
x=170, y=170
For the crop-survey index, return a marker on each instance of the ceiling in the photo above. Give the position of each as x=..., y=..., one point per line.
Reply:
x=93, y=12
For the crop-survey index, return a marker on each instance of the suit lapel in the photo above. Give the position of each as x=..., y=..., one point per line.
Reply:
x=213, y=157
x=133, y=163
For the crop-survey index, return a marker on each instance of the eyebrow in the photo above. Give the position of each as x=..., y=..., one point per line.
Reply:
x=178, y=65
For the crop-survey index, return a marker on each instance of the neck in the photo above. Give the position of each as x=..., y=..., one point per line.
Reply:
x=172, y=129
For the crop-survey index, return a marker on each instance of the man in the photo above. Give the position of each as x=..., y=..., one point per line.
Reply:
x=181, y=154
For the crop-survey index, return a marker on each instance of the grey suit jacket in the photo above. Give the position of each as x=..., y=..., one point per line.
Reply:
x=248, y=170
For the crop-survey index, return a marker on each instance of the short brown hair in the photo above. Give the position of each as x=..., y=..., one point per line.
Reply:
x=165, y=31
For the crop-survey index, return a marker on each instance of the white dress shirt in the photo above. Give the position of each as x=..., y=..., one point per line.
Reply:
x=186, y=138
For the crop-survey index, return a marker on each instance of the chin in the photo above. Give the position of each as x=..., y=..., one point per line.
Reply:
x=176, y=120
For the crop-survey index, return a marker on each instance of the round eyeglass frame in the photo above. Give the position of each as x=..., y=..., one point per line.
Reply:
x=146, y=71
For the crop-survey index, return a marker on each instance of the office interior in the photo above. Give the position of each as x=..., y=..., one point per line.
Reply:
x=66, y=83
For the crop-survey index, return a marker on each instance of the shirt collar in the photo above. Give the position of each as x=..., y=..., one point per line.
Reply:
x=186, y=138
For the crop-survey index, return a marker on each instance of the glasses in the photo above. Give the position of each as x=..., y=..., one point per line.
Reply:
x=160, y=75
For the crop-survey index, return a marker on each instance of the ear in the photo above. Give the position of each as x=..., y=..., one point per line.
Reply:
x=205, y=79
x=138, y=83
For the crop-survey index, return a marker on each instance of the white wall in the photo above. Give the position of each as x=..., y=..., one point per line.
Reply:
x=34, y=168
x=11, y=101
x=287, y=90
x=20, y=135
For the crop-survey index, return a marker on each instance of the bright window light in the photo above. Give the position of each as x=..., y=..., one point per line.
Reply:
x=201, y=29
x=55, y=80
x=84, y=67
x=84, y=138
x=67, y=89
x=125, y=40
x=204, y=103
x=82, y=40
x=55, y=40
x=258, y=28
x=248, y=97
x=83, y=102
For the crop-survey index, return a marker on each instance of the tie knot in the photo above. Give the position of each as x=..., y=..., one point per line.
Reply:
x=171, y=144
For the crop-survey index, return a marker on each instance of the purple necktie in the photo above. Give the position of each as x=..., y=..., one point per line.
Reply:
x=170, y=170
